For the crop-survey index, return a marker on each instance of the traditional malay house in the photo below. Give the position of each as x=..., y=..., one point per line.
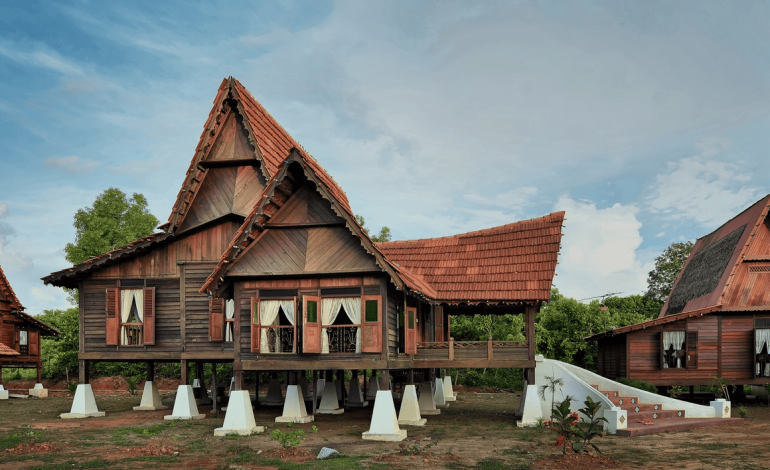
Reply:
x=715, y=322
x=263, y=264
x=20, y=333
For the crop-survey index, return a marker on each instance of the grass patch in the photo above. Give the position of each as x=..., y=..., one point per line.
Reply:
x=338, y=463
x=98, y=463
x=492, y=464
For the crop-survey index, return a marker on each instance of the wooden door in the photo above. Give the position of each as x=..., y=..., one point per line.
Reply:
x=371, y=323
x=256, y=332
x=311, y=326
x=411, y=331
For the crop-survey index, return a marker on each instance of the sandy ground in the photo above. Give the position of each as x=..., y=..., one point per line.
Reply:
x=477, y=431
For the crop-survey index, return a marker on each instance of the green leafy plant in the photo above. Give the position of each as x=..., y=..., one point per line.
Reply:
x=676, y=391
x=551, y=385
x=742, y=411
x=590, y=427
x=131, y=381
x=72, y=386
x=314, y=428
x=718, y=386
x=287, y=439
x=564, y=422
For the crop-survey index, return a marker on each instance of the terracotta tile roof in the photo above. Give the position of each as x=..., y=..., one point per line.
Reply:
x=511, y=262
x=6, y=351
x=7, y=293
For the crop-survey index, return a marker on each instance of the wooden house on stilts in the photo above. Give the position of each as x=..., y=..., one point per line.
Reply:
x=715, y=322
x=262, y=264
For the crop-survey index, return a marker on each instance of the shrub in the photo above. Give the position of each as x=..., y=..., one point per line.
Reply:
x=287, y=439
x=640, y=384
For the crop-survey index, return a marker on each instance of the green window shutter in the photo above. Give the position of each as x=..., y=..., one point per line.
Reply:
x=312, y=311
x=411, y=319
x=372, y=311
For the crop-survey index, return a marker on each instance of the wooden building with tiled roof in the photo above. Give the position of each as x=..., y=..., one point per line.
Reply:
x=20, y=333
x=716, y=320
x=263, y=264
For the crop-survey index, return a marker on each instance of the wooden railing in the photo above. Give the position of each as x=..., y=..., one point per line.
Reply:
x=459, y=350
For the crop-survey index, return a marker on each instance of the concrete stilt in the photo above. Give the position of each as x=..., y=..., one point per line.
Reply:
x=184, y=405
x=274, y=395
x=409, y=414
x=449, y=394
x=427, y=405
x=438, y=395
x=532, y=410
x=200, y=393
x=3, y=393
x=355, y=395
x=232, y=386
x=239, y=418
x=374, y=387
x=320, y=385
x=384, y=426
x=38, y=391
x=150, y=398
x=302, y=382
x=84, y=404
x=329, y=403
x=338, y=385
x=294, y=410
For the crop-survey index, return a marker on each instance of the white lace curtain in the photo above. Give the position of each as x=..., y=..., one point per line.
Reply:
x=229, y=314
x=762, y=339
x=268, y=315
x=127, y=299
x=676, y=339
x=330, y=308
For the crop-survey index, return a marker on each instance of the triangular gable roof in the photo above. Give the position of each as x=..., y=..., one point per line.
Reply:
x=17, y=309
x=510, y=262
x=706, y=276
x=254, y=225
x=6, y=351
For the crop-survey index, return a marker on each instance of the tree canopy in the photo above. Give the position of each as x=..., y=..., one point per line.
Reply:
x=111, y=222
x=661, y=280
x=59, y=354
x=383, y=236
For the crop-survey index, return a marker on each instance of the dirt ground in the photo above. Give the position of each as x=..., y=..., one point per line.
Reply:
x=475, y=432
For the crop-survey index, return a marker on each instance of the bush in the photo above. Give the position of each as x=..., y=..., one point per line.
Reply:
x=510, y=379
x=640, y=384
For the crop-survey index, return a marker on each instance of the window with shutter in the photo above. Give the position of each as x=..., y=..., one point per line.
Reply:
x=34, y=343
x=692, y=349
x=371, y=307
x=216, y=319
x=674, y=349
x=411, y=331
x=112, y=322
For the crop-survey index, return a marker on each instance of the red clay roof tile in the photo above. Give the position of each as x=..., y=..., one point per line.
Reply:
x=6, y=351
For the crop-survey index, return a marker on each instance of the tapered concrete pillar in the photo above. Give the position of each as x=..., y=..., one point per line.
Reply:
x=84, y=404
x=338, y=386
x=329, y=404
x=438, y=395
x=320, y=385
x=427, y=405
x=384, y=426
x=409, y=414
x=3, y=393
x=274, y=395
x=150, y=398
x=449, y=394
x=39, y=391
x=374, y=387
x=239, y=418
x=184, y=405
x=200, y=393
x=355, y=395
x=302, y=382
x=294, y=410
x=232, y=386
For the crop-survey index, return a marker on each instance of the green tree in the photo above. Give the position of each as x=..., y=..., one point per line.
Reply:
x=383, y=236
x=111, y=222
x=660, y=280
x=60, y=354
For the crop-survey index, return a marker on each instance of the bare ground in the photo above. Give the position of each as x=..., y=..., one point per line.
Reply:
x=477, y=431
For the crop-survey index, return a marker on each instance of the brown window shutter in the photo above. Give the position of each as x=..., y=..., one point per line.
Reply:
x=112, y=320
x=254, y=324
x=371, y=317
x=216, y=319
x=17, y=340
x=692, y=349
x=149, y=316
x=410, y=330
x=33, y=340
x=311, y=325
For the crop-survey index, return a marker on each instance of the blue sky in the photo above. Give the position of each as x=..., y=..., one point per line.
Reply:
x=647, y=121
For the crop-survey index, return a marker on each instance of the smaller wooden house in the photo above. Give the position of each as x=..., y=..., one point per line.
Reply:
x=715, y=322
x=19, y=332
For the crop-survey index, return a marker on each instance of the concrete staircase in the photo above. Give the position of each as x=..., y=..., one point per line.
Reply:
x=653, y=418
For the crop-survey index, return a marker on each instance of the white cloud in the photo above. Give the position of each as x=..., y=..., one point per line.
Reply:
x=11, y=260
x=73, y=165
x=40, y=55
x=702, y=188
x=599, y=250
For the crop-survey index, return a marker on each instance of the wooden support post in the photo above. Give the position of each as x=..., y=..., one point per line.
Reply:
x=257, y=387
x=292, y=378
x=199, y=374
x=384, y=376
x=150, y=371
x=530, y=335
x=214, y=394
x=341, y=380
x=183, y=367
x=1, y=370
x=315, y=390
x=82, y=371
x=489, y=348
x=238, y=380
x=451, y=349
x=410, y=377
x=39, y=368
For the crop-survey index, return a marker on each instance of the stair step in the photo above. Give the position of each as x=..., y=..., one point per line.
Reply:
x=645, y=416
x=641, y=407
x=673, y=425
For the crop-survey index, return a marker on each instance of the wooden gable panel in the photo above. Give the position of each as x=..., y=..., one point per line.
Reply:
x=277, y=252
x=336, y=249
x=294, y=211
x=232, y=143
x=319, y=210
x=249, y=184
x=214, y=198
